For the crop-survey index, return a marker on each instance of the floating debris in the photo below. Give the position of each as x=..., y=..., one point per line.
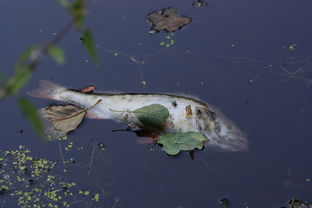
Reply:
x=172, y=144
x=292, y=47
x=101, y=146
x=224, y=202
x=59, y=120
x=296, y=203
x=168, y=42
x=199, y=3
x=144, y=83
x=168, y=20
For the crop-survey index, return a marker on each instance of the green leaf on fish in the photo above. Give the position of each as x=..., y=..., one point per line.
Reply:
x=172, y=144
x=31, y=114
x=57, y=54
x=154, y=115
x=87, y=40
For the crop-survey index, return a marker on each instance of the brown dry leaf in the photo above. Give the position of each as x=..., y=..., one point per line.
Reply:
x=88, y=89
x=59, y=120
x=168, y=20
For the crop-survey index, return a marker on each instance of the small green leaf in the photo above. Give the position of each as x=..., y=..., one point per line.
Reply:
x=77, y=10
x=174, y=143
x=154, y=115
x=57, y=54
x=22, y=60
x=87, y=40
x=21, y=77
x=31, y=114
x=63, y=3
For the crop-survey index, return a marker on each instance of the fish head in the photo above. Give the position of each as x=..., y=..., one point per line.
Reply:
x=220, y=131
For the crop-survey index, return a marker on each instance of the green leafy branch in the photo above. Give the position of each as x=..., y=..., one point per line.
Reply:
x=32, y=57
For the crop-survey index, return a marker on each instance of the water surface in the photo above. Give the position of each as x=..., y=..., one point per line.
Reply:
x=233, y=55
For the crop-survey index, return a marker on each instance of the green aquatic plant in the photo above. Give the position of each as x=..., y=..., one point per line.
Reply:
x=172, y=144
x=27, y=63
x=168, y=42
x=34, y=182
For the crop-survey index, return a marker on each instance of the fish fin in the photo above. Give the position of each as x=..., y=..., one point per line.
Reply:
x=47, y=89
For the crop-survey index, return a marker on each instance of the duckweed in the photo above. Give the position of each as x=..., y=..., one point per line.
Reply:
x=33, y=183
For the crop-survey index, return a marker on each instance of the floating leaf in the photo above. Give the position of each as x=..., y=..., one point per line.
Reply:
x=87, y=40
x=31, y=114
x=154, y=115
x=59, y=120
x=77, y=10
x=168, y=20
x=174, y=143
x=57, y=54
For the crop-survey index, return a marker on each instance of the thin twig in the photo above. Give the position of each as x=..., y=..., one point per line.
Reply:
x=63, y=160
x=116, y=202
x=37, y=56
x=90, y=165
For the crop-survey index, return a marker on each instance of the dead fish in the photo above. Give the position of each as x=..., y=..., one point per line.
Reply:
x=186, y=113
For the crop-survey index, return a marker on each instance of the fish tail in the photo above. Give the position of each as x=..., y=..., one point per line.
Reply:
x=48, y=90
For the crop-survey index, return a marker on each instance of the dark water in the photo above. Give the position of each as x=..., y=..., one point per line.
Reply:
x=233, y=55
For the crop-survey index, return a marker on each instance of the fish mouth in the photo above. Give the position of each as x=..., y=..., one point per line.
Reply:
x=227, y=142
x=223, y=133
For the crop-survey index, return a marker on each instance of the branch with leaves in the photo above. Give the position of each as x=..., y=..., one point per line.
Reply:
x=32, y=57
